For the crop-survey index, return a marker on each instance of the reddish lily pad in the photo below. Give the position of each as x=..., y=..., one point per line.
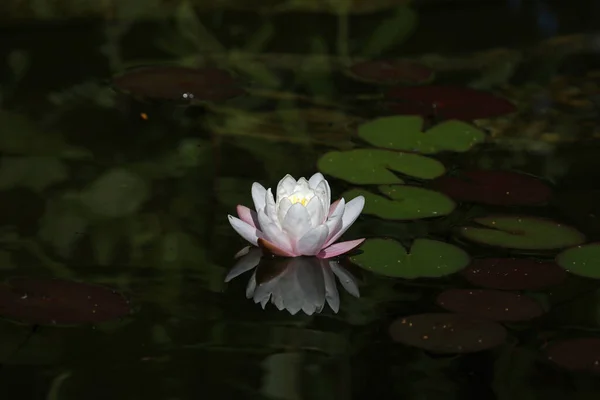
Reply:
x=447, y=102
x=447, y=333
x=514, y=273
x=522, y=232
x=578, y=354
x=179, y=83
x=60, y=302
x=391, y=72
x=490, y=304
x=501, y=188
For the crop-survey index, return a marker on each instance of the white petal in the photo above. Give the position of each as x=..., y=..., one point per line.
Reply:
x=246, y=231
x=334, y=222
x=315, y=179
x=258, y=196
x=296, y=223
x=331, y=293
x=351, y=212
x=244, y=264
x=316, y=211
x=282, y=208
x=270, y=208
x=322, y=190
x=348, y=281
x=273, y=233
x=285, y=187
x=312, y=242
x=311, y=281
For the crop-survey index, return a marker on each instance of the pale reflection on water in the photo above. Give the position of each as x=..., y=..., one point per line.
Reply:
x=294, y=284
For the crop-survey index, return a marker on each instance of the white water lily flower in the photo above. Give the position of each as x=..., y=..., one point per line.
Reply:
x=300, y=220
x=302, y=283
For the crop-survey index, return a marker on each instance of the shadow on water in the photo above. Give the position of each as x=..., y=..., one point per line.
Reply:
x=130, y=132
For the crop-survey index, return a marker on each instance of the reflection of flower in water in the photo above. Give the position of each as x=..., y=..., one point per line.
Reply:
x=300, y=283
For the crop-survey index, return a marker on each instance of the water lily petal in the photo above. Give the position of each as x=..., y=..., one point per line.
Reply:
x=248, y=216
x=348, y=281
x=270, y=208
x=339, y=248
x=296, y=223
x=283, y=207
x=316, y=211
x=273, y=249
x=334, y=221
x=314, y=180
x=285, y=187
x=331, y=293
x=250, y=233
x=244, y=264
x=322, y=192
x=333, y=206
x=258, y=196
x=351, y=212
x=242, y=252
x=312, y=241
x=272, y=233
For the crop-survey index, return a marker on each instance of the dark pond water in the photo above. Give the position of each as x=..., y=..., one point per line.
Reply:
x=470, y=129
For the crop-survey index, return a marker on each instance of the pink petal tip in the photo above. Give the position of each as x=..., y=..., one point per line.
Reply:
x=339, y=248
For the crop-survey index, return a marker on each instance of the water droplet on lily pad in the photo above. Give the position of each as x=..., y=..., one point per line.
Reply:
x=514, y=273
x=406, y=133
x=581, y=260
x=404, y=202
x=490, y=304
x=522, y=232
x=501, y=188
x=391, y=72
x=426, y=258
x=47, y=301
x=447, y=333
x=449, y=102
x=375, y=166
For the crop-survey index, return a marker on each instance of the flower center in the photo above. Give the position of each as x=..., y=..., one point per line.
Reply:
x=302, y=198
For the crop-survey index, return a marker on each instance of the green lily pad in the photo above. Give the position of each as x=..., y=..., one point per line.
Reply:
x=426, y=259
x=524, y=233
x=375, y=166
x=404, y=202
x=581, y=260
x=402, y=132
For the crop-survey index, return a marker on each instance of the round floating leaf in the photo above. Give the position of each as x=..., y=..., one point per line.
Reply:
x=449, y=102
x=426, y=259
x=579, y=354
x=581, y=260
x=179, y=83
x=490, y=304
x=502, y=188
x=404, y=133
x=391, y=72
x=407, y=202
x=524, y=233
x=514, y=273
x=53, y=301
x=373, y=166
x=447, y=333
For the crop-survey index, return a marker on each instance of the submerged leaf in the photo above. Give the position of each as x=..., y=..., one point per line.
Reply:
x=447, y=333
x=53, y=301
x=447, y=102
